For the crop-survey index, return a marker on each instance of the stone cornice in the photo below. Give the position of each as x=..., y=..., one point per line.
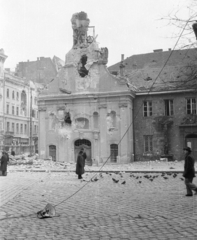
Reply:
x=86, y=95
x=123, y=105
x=102, y=105
x=61, y=107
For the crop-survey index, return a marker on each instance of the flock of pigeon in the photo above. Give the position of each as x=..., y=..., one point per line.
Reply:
x=164, y=175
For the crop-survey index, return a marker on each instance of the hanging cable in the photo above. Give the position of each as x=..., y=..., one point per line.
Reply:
x=127, y=128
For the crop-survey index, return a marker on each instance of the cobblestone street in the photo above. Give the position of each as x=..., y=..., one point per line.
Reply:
x=139, y=206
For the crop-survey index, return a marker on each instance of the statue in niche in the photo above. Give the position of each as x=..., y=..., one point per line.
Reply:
x=80, y=24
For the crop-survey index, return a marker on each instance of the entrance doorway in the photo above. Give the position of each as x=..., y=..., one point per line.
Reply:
x=86, y=144
x=52, y=152
x=191, y=141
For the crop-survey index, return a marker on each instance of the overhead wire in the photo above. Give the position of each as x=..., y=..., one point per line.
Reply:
x=133, y=119
x=150, y=89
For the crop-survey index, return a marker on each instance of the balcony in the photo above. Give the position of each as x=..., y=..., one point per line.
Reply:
x=9, y=133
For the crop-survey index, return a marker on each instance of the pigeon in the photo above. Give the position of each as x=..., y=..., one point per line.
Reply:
x=165, y=178
x=123, y=182
x=139, y=181
x=182, y=179
x=116, y=181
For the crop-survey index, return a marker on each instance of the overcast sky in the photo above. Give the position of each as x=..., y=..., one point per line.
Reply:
x=42, y=28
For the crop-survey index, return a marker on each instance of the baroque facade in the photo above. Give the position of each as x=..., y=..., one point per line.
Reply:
x=18, y=112
x=86, y=106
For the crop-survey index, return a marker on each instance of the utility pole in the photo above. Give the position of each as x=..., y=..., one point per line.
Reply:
x=30, y=127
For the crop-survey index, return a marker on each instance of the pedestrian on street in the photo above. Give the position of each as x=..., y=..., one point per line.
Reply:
x=80, y=163
x=189, y=172
x=4, y=163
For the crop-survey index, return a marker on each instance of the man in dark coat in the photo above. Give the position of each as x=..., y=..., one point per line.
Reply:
x=189, y=172
x=80, y=163
x=4, y=163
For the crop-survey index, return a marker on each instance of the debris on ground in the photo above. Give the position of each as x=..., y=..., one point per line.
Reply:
x=26, y=161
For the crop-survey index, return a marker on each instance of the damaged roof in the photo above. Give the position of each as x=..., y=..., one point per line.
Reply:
x=144, y=71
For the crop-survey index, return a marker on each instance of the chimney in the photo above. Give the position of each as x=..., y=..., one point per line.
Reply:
x=122, y=66
x=169, y=49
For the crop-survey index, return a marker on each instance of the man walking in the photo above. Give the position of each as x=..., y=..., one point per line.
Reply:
x=189, y=172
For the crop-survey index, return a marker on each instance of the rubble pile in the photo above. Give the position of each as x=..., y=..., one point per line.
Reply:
x=27, y=162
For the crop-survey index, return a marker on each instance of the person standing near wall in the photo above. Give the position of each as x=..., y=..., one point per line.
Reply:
x=4, y=163
x=189, y=172
x=80, y=163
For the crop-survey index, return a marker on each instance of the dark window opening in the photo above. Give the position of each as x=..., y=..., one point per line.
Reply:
x=82, y=70
x=114, y=152
x=52, y=152
x=168, y=107
x=67, y=118
x=81, y=142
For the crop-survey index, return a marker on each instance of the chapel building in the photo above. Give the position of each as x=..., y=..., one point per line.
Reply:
x=86, y=106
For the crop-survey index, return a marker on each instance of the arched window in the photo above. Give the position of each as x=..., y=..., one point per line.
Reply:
x=113, y=152
x=82, y=123
x=96, y=119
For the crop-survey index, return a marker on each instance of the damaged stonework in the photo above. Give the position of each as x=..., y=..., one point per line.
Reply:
x=89, y=81
x=86, y=104
x=61, y=123
x=112, y=121
x=85, y=57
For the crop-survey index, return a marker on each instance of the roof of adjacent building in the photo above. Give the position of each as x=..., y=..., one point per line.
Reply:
x=42, y=70
x=161, y=71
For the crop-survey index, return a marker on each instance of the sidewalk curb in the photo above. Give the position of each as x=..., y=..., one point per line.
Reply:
x=101, y=171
